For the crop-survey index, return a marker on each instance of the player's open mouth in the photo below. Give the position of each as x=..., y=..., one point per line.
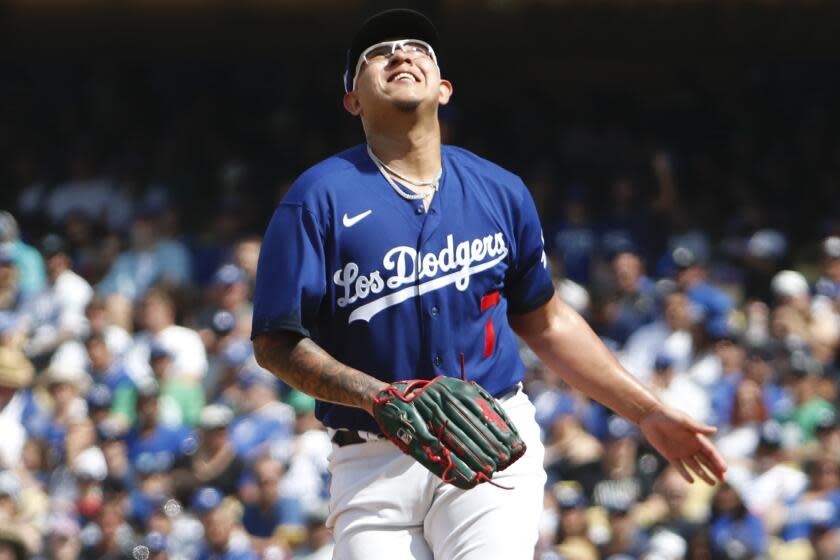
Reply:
x=403, y=77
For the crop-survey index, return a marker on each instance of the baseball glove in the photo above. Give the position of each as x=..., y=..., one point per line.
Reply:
x=454, y=428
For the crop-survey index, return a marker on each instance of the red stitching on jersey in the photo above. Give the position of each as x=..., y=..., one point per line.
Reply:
x=489, y=338
x=489, y=300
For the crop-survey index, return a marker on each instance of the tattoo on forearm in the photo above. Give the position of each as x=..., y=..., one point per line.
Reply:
x=308, y=368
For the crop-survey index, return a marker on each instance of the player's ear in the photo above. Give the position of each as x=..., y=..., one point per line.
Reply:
x=445, y=92
x=352, y=104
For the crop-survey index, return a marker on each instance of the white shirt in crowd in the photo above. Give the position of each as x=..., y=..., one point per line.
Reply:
x=684, y=394
x=57, y=309
x=14, y=435
x=779, y=484
x=189, y=358
x=639, y=353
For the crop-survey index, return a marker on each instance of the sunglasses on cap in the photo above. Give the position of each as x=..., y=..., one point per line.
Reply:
x=413, y=48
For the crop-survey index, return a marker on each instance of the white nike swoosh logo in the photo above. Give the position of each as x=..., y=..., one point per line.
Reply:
x=350, y=222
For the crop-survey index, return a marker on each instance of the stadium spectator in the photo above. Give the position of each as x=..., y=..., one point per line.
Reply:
x=153, y=485
x=620, y=484
x=150, y=260
x=16, y=374
x=668, y=508
x=828, y=284
x=319, y=545
x=87, y=191
x=229, y=291
x=111, y=438
x=11, y=295
x=678, y=389
x=739, y=439
x=669, y=334
x=627, y=538
x=157, y=316
x=691, y=277
x=148, y=435
x=57, y=313
x=307, y=477
x=633, y=302
x=246, y=255
x=110, y=537
x=181, y=397
x=770, y=481
x=272, y=519
x=26, y=259
x=572, y=538
x=817, y=507
x=265, y=424
x=735, y=532
x=223, y=373
x=810, y=403
x=109, y=372
x=99, y=324
x=157, y=545
x=216, y=463
x=66, y=385
x=797, y=322
x=224, y=537
x=573, y=239
x=63, y=541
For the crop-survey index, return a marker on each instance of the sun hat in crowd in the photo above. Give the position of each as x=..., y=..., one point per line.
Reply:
x=215, y=416
x=16, y=371
x=68, y=374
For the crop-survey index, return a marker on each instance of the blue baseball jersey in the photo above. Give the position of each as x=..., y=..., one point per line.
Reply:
x=394, y=290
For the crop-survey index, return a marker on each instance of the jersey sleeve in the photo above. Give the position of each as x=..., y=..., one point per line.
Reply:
x=529, y=282
x=291, y=278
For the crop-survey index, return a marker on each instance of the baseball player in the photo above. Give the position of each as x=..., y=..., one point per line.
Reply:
x=402, y=259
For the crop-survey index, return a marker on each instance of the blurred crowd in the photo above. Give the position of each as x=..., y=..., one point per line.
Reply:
x=136, y=423
x=762, y=369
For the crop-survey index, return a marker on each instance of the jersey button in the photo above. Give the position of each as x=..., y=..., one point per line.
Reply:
x=435, y=311
x=437, y=360
x=419, y=209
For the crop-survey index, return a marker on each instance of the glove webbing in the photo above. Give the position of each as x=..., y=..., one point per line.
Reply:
x=444, y=458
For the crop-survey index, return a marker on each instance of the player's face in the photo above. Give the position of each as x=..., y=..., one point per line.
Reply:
x=400, y=74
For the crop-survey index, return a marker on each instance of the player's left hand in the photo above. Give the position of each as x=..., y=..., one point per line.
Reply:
x=684, y=443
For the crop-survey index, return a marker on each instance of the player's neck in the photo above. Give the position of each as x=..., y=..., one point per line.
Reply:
x=413, y=153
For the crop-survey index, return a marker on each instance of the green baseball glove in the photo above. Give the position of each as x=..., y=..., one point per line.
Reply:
x=454, y=428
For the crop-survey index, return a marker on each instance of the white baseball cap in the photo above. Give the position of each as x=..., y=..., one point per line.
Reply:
x=90, y=464
x=789, y=283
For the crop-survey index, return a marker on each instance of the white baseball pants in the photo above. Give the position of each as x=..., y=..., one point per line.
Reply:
x=384, y=505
